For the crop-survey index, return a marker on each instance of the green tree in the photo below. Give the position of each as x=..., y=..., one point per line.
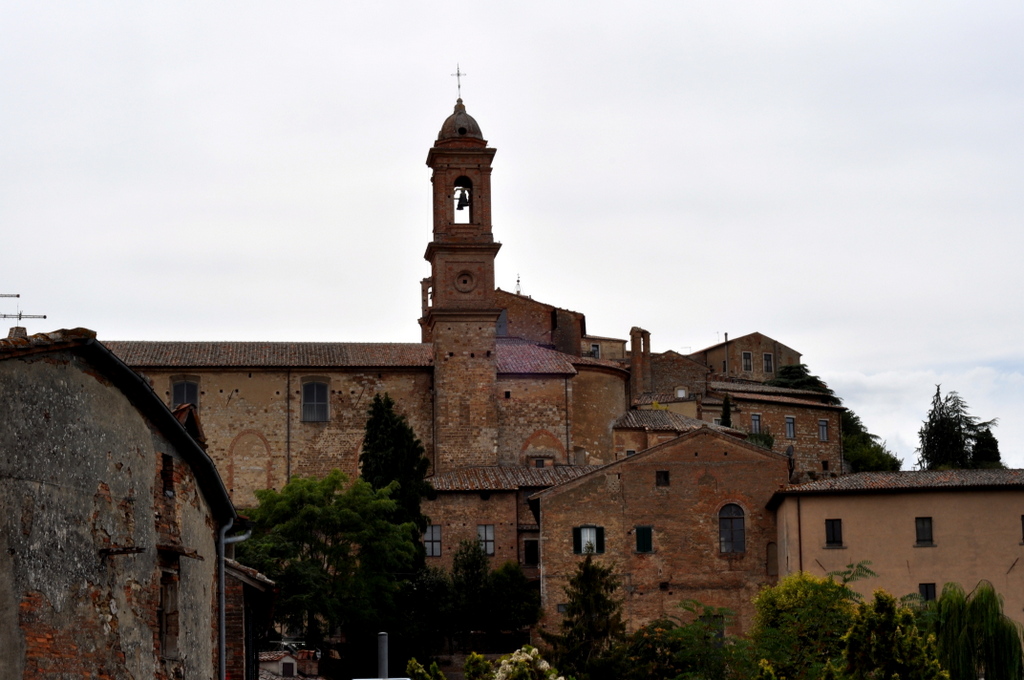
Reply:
x=985, y=452
x=592, y=623
x=799, y=624
x=975, y=637
x=515, y=603
x=950, y=434
x=726, y=420
x=863, y=450
x=696, y=648
x=799, y=377
x=765, y=439
x=471, y=587
x=884, y=643
x=392, y=453
x=333, y=551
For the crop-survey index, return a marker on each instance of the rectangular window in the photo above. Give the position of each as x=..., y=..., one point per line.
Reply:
x=432, y=540
x=755, y=423
x=167, y=614
x=834, y=533
x=184, y=392
x=485, y=534
x=661, y=478
x=645, y=539
x=680, y=393
x=927, y=591
x=717, y=421
x=531, y=552
x=630, y=452
x=769, y=363
x=748, y=361
x=314, y=402
x=287, y=669
x=823, y=430
x=595, y=351
x=923, y=526
x=790, y=427
x=588, y=539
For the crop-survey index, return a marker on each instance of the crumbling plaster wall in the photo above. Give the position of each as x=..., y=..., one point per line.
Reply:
x=77, y=476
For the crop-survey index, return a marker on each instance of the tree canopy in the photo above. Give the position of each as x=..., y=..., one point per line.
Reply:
x=333, y=551
x=592, y=623
x=951, y=438
x=975, y=638
x=392, y=453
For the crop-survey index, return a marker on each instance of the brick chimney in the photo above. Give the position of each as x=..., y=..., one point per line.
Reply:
x=17, y=332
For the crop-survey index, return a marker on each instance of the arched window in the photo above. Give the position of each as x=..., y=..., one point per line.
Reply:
x=731, y=532
x=314, y=402
x=184, y=392
x=463, y=201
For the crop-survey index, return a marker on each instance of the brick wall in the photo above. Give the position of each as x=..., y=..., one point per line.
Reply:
x=541, y=323
x=670, y=371
x=255, y=432
x=706, y=472
x=598, y=398
x=459, y=513
x=533, y=419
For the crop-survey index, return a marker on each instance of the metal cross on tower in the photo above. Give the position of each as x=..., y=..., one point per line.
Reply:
x=458, y=79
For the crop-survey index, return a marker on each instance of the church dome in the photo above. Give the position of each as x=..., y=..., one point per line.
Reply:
x=460, y=125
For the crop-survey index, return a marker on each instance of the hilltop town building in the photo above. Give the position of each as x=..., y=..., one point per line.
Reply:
x=510, y=396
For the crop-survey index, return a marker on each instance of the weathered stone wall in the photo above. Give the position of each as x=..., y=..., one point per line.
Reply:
x=706, y=472
x=670, y=371
x=598, y=398
x=254, y=428
x=758, y=345
x=541, y=323
x=533, y=419
x=460, y=513
x=83, y=510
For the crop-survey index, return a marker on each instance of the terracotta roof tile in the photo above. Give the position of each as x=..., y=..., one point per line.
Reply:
x=647, y=398
x=273, y=656
x=17, y=345
x=658, y=419
x=516, y=358
x=779, y=399
x=270, y=354
x=506, y=478
x=760, y=388
x=910, y=480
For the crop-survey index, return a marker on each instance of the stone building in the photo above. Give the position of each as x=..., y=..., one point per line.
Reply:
x=509, y=395
x=685, y=519
x=112, y=519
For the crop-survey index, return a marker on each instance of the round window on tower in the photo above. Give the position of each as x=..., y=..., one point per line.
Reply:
x=465, y=282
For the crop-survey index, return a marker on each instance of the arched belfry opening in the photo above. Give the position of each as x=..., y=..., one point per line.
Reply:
x=462, y=196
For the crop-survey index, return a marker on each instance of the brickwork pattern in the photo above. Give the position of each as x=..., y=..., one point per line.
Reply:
x=533, y=419
x=598, y=398
x=459, y=514
x=706, y=471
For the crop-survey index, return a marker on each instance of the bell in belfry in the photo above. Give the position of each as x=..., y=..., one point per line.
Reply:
x=463, y=198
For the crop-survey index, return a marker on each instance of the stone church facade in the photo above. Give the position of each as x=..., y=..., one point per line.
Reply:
x=510, y=396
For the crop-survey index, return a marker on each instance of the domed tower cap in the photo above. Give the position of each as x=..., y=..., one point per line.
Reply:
x=460, y=125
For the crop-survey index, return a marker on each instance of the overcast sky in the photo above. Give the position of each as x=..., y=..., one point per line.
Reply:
x=846, y=177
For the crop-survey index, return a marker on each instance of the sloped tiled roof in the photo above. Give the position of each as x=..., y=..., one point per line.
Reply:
x=45, y=341
x=779, y=399
x=919, y=480
x=658, y=419
x=646, y=398
x=591, y=361
x=506, y=478
x=270, y=354
x=273, y=656
x=517, y=358
x=760, y=388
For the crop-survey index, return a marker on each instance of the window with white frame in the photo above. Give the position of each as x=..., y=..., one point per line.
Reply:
x=432, y=540
x=485, y=535
x=790, y=427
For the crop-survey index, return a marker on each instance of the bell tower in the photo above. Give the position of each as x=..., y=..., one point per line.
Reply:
x=459, y=314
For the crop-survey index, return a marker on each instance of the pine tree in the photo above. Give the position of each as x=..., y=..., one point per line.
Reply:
x=392, y=453
x=726, y=420
x=950, y=434
x=592, y=623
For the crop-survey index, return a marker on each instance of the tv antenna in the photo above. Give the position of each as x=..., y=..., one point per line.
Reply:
x=20, y=315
